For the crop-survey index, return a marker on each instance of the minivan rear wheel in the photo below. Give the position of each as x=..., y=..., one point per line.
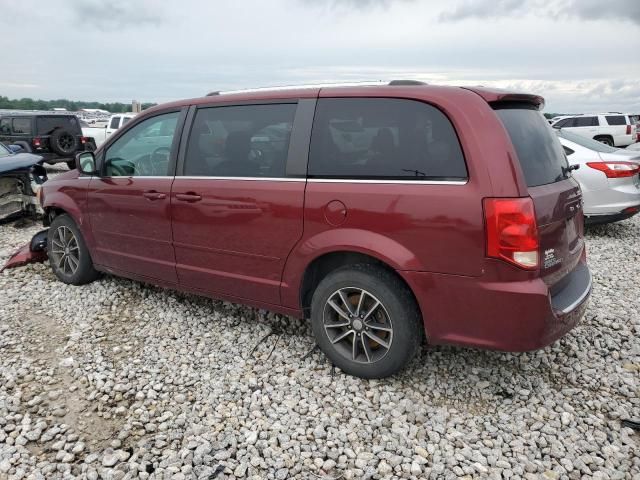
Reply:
x=366, y=321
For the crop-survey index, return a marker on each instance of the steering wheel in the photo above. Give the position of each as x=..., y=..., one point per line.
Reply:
x=116, y=170
x=162, y=153
x=147, y=164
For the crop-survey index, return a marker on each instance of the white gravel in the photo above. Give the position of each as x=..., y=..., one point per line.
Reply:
x=123, y=380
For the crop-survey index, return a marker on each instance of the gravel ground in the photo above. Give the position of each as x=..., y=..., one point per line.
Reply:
x=119, y=379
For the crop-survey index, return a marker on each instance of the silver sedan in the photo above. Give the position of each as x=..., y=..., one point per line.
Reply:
x=609, y=178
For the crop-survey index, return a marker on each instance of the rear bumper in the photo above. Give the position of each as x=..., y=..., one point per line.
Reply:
x=499, y=315
x=612, y=217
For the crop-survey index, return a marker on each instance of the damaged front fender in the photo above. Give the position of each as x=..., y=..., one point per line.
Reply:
x=33, y=252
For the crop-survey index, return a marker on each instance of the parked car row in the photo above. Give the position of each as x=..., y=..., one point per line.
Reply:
x=613, y=129
x=54, y=137
x=102, y=131
x=608, y=177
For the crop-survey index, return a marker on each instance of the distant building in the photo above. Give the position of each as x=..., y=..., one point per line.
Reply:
x=136, y=106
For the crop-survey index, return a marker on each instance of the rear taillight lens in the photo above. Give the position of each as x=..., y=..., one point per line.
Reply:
x=628, y=129
x=83, y=140
x=36, y=142
x=512, y=231
x=616, y=169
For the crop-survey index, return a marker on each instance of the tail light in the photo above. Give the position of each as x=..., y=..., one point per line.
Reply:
x=616, y=169
x=512, y=231
x=36, y=142
x=83, y=140
x=628, y=129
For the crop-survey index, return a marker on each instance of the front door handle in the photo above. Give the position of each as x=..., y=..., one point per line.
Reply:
x=153, y=195
x=188, y=197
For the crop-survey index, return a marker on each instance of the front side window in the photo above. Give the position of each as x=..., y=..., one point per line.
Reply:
x=22, y=125
x=240, y=141
x=616, y=120
x=383, y=138
x=144, y=150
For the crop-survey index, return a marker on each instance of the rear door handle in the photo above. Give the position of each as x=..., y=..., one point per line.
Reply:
x=154, y=195
x=188, y=197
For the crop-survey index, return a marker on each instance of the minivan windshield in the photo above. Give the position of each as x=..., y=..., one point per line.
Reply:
x=539, y=151
x=586, y=142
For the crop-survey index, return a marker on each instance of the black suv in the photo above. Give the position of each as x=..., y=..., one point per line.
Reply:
x=57, y=138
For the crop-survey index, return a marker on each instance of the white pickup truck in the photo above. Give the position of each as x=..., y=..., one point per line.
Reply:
x=100, y=134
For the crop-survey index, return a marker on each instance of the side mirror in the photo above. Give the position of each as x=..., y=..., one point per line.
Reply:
x=15, y=148
x=86, y=162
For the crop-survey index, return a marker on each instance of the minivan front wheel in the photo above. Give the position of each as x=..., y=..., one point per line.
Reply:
x=68, y=254
x=366, y=321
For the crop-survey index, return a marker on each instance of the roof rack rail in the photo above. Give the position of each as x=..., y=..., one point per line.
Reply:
x=363, y=83
x=394, y=83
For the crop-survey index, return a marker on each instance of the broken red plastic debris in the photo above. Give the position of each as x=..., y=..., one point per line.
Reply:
x=24, y=256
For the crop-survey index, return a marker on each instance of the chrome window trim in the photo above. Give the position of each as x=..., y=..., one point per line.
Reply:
x=292, y=179
x=382, y=180
x=133, y=176
x=272, y=179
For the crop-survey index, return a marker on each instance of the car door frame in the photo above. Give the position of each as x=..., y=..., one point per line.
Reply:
x=171, y=172
x=295, y=170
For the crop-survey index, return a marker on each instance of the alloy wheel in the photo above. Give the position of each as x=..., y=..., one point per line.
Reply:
x=358, y=325
x=65, y=251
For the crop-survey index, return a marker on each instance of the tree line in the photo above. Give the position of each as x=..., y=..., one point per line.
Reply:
x=71, y=105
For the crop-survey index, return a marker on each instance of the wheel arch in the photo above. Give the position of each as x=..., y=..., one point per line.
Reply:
x=604, y=135
x=328, y=262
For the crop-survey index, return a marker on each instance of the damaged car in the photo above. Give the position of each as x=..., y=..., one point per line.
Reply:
x=21, y=177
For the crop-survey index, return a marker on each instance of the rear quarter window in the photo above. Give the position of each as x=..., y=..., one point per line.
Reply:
x=384, y=138
x=47, y=125
x=616, y=120
x=539, y=151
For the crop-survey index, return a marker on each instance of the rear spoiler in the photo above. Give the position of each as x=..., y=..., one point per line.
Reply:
x=498, y=96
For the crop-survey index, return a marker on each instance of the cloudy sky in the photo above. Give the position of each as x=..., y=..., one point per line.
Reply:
x=581, y=55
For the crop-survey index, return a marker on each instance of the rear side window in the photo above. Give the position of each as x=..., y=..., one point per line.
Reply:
x=383, y=138
x=240, y=141
x=616, y=120
x=541, y=156
x=585, y=122
x=21, y=125
x=47, y=125
x=115, y=122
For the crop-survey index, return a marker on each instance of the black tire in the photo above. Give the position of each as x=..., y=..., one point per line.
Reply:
x=63, y=143
x=397, y=310
x=63, y=269
x=71, y=164
x=606, y=140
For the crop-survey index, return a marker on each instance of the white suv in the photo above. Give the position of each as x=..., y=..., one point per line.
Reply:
x=614, y=129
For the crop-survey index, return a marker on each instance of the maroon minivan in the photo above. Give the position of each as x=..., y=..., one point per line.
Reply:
x=381, y=213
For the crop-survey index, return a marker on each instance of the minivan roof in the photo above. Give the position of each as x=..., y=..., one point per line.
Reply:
x=399, y=89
